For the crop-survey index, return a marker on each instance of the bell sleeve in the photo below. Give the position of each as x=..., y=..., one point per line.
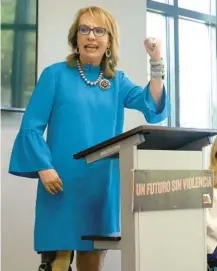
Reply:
x=30, y=152
x=138, y=98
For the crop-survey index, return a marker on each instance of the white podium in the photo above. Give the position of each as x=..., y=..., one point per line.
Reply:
x=164, y=193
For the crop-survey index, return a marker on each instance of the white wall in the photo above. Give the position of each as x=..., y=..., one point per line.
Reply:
x=17, y=206
x=18, y=194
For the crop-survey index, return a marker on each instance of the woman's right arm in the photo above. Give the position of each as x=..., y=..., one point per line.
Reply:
x=31, y=156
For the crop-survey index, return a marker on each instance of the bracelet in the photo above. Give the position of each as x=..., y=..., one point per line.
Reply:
x=157, y=75
x=156, y=63
x=157, y=68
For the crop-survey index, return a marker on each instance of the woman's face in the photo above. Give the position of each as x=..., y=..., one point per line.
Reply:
x=91, y=44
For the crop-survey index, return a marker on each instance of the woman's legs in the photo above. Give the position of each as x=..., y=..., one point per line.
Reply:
x=90, y=260
x=62, y=261
x=85, y=261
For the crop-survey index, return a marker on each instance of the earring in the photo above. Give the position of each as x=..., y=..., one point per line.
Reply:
x=108, y=53
x=77, y=50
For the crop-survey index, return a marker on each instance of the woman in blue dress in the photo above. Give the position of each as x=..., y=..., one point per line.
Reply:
x=81, y=102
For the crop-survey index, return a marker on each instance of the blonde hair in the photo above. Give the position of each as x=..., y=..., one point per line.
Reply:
x=213, y=160
x=108, y=64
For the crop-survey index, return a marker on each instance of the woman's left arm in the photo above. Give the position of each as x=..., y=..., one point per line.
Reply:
x=151, y=100
x=156, y=90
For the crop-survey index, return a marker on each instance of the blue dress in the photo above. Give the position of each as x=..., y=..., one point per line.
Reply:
x=77, y=116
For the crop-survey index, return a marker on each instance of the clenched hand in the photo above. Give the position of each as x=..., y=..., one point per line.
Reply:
x=51, y=181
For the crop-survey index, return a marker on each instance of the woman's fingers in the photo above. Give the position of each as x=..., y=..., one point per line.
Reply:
x=54, y=187
x=59, y=182
x=58, y=187
x=51, y=189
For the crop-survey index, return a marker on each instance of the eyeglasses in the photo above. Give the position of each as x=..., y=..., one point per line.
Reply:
x=97, y=31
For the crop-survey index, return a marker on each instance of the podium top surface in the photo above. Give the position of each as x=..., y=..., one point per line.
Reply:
x=159, y=138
